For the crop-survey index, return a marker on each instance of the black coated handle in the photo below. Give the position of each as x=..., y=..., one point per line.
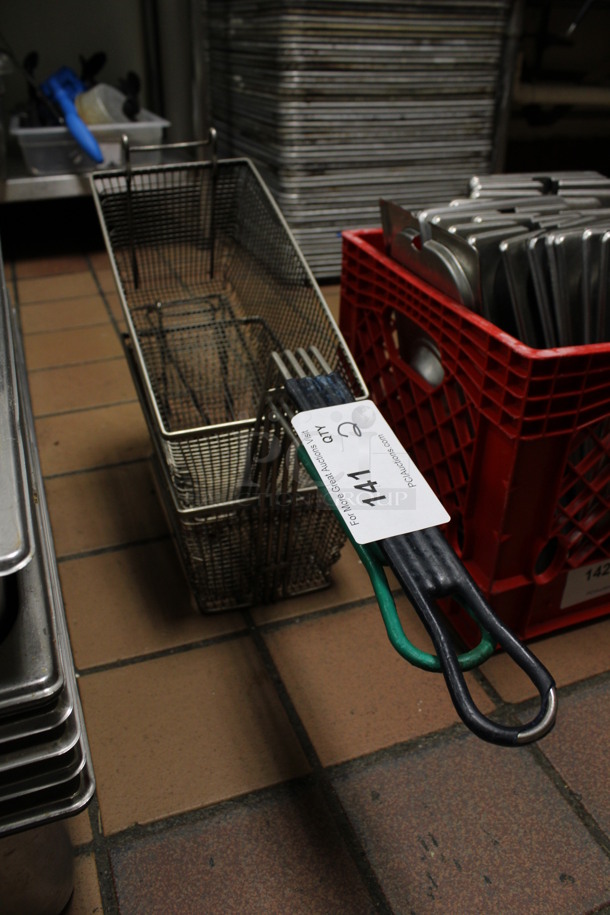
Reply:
x=428, y=569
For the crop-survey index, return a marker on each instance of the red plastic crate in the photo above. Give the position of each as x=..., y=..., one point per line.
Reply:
x=514, y=441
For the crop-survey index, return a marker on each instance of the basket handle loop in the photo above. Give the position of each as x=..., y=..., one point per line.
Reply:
x=128, y=150
x=211, y=140
x=427, y=569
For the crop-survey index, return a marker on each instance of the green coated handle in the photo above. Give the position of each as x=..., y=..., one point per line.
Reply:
x=373, y=561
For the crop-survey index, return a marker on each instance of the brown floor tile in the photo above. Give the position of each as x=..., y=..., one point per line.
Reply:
x=463, y=827
x=132, y=602
x=116, y=308
x=185, y=731
x=353, y=691
x=579, y=748
x=86, y=439
x=50, y=266
x=79, y=828
x=279, y=852
x=350, y=582
x=99, y=259
x=451, y=825
x=569, y=656
x=72, y=346
x=332, y=293
x=48, y=288
x=78, y=387
x=86, y=899
x=103, y=508
x=67, y=313
x=105, y=277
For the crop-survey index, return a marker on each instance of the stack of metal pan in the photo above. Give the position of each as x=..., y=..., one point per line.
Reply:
x=45, y=765
x=340, y=103
x=531, y=253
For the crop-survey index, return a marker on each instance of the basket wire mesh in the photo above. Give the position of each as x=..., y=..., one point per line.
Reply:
x=211, y=283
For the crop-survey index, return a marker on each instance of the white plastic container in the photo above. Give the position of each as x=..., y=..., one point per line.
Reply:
x=103, y=104
x=53, y=151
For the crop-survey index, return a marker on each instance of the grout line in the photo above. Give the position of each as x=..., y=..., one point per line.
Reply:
x=566, y=690
x=113, y=320
x=320, y=775
x=572, y=798
x=103, y=865
x=510, y=712
x=163, y=652
x=72, y=329
x=59, y=300
x=141, y=831
x=101, y=406
x=585, y=682
x=371, y=600
x=216, y=639
x=112, y=548
x=72, y=365
x=455, y=731
x=275, y=625
x=487, y=687
x=80, y=471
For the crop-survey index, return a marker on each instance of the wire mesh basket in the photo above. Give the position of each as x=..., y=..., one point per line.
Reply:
x=211, y=283
x=277, y=539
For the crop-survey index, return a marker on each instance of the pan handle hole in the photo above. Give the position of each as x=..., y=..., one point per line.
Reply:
x=418, y=350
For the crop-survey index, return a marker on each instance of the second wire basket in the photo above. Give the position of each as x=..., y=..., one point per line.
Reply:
x=211, y=282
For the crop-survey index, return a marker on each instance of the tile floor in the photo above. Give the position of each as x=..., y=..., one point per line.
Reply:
x=285, y=760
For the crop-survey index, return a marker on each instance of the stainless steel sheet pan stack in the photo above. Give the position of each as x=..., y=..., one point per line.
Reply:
x=211, y=283
x=340, y=103
x=530, y=252
x=45, y=763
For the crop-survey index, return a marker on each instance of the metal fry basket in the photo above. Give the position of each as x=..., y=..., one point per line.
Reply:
x=211, y=283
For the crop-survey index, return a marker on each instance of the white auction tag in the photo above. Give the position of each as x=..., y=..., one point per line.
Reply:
x=371, y=479
x=586, y=583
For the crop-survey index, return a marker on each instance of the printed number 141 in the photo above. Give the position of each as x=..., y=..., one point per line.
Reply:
x=368, y=486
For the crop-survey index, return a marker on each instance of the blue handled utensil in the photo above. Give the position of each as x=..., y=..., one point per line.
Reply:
x=62, y=88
